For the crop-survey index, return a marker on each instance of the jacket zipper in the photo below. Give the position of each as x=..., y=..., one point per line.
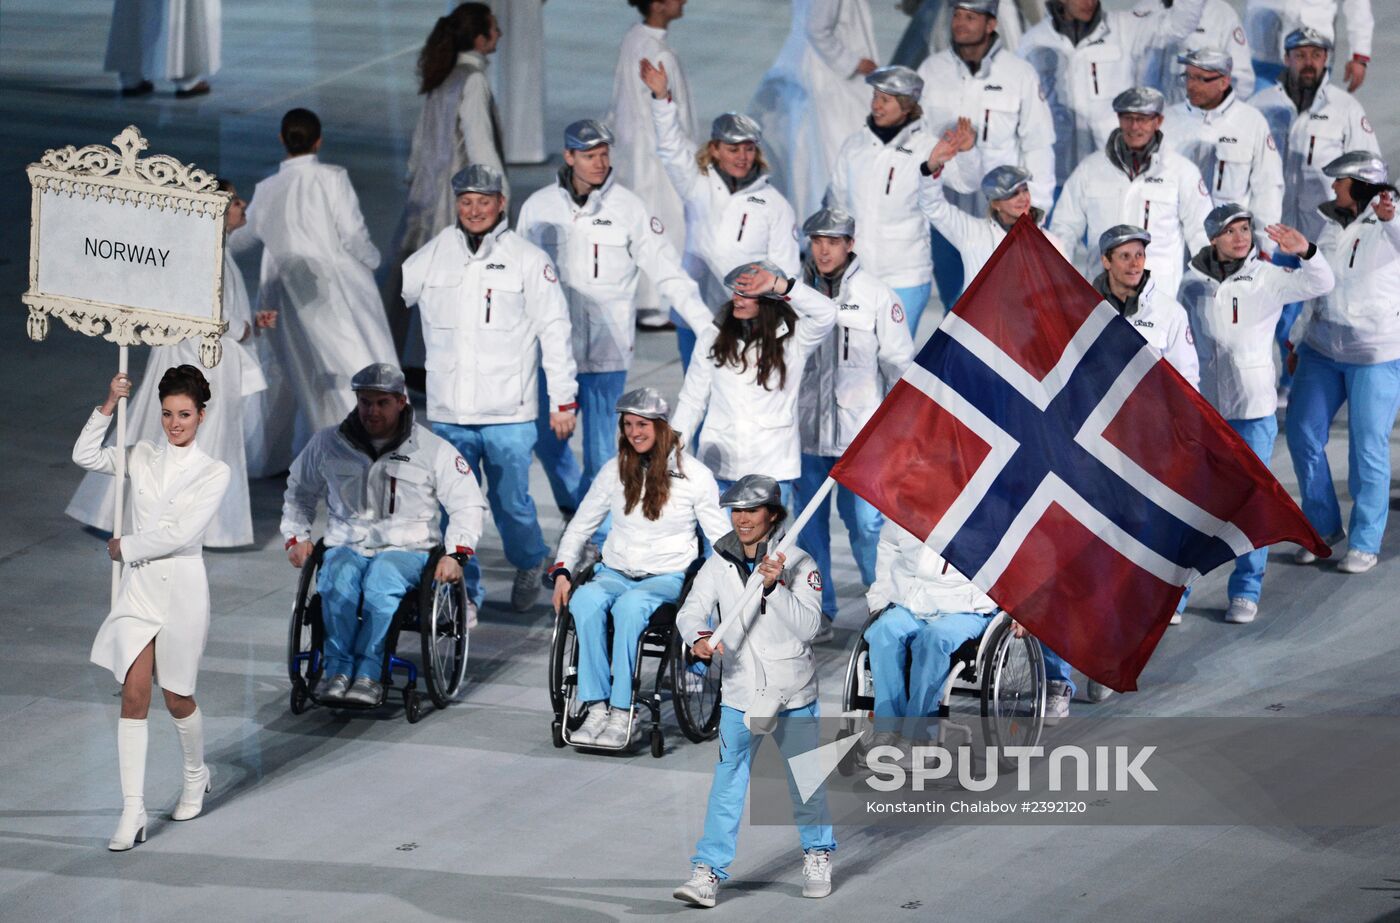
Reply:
x=889, y=181
x=1220, y=177
x=845, y=343
x=1312, y=143
x=1146, y=214
x=595, y=261
x=488, y=306
x=742, y=221
x=945, y=567
x=393, y=493
x=1356, y=244
x=1094, y=70
x=1235, y=306
x=986, y=122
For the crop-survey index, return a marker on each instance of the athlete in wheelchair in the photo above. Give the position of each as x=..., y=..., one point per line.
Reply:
x=932, y=632
x=622, y=611
x=381, y=566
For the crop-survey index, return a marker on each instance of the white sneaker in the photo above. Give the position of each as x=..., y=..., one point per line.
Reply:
x=816, y=873
x=1176, y=619
x=700, y=889
x=1357, y=562
x=525, y=590
x=1304, y=556
x=592, y=726
x=615, y=735
x=1057, y=696
x=472, y=614
x=1242, y=611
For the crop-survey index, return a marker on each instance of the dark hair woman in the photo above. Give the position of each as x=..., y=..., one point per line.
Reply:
x=161, y=615
x=657, y=494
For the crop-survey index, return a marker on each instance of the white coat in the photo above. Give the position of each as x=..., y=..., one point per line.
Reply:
x=749, y=428
x=236, y=377
x=393, y=501
x=909, y=573
x=1080, y=81
x=812, y=98
x=1232, y=147
x=1164, y=324
x=518, y=78
x=635, y=161
x=1309, y=141
x=1234, y=323
x=1169, y=199
x=723, y=229
x=171, y=39
x=1268, y=23
x=1219, y=30
x=601, y=248
x=850, y=373
x=1359, y=321
x=775, y=646
x=491, y=320
x=975, y=239
x=317, y=273
x=459, y=124
x=1004, y=102
x=164, y=593
x=637, y=546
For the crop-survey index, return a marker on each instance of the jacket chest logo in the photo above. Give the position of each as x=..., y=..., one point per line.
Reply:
x=398, y=457
x=1153, y=179
x=756, y=200
x=1143, y=323
x=993, y=87
x=850, y=307
x=901, y=149
x=1318, y=116
x=1226, y=139
x=495, y=266
x=607, y=222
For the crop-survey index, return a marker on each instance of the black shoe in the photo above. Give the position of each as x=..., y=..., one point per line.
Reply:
x=141, y=89
x=199, y=89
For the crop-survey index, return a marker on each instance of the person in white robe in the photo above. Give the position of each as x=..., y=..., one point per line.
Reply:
x=237, y=377
x=517, y=81
x=635, y=160
x=175, y=40
x=459, y=125
x=317, y=274
x=814, y=96
x=159, y=622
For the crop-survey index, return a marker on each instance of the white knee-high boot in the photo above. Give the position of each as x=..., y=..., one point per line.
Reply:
x=198, y=778
x=131, y=762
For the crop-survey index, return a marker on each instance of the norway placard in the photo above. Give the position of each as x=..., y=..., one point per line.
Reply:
x=125, y=247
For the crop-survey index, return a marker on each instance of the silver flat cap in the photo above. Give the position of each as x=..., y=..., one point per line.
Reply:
x=1140, y=100
x=896, y=81
x=586, y=134
x=1362, y=165
x=830, y=222
x=379, y=377
x=1222, y=216
x=1208, y=59
x=476, y=177
x=1004, y=182
x=985, y=7
x=732, y=278
x=735, y=128
x=750, y=492
x=1306, y=37
x=1120, y=234
x=644, y=402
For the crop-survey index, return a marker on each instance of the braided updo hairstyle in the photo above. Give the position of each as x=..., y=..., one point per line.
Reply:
x=186, y=380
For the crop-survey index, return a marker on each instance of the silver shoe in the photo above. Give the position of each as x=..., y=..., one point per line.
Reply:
x=1357, y=562
x=816, y=873
x=1057, y=695
x=587, y=733
x=701, y=889
x=364, y=691
x=525, y=592
x=1304, y=556
x=333, y=688
x=1242, y=611
x=615, y=734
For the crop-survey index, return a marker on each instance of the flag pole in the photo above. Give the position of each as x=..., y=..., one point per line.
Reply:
x=748, y=603
x=120, y=494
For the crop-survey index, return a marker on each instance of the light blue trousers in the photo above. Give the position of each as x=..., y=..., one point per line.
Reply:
x=355, y=632
x=1372, y=395
x=631, y=603
x=927, y=644
x=863, y=524
x=1247, y=578
x=501, y=451
x=597, y=402
x=731, y=782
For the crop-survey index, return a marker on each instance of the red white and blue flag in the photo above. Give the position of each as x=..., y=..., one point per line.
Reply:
x=1043, y=448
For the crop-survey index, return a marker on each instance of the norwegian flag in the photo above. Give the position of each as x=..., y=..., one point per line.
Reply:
x=1044, y=449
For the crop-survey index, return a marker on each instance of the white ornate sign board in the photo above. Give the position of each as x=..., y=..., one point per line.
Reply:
x=125, y=247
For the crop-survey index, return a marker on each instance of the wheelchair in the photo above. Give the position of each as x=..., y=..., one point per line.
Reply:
x=692, y=684
x=437, y=612
x=1005, y=672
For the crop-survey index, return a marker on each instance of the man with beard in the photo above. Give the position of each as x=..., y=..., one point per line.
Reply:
x=1269, y=20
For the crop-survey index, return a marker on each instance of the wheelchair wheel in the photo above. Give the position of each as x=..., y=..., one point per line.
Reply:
x=442, y=625
x=306, y=635
x=1013, y=688
x=658, y=743
x=412, y=706
x=298, y=701
x=695, y=693
x=561, y=653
